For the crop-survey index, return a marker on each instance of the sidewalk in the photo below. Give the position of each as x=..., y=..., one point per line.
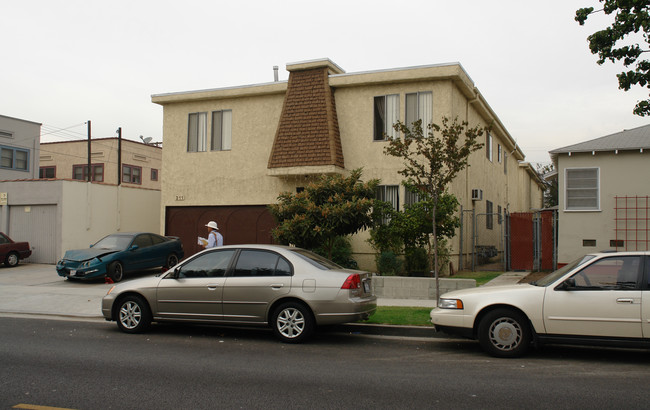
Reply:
x=36, y=289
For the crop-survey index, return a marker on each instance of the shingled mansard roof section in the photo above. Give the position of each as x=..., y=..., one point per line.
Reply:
x=308, y=131
x=626, y=140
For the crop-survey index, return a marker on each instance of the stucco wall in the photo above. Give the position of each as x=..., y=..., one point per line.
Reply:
x=622, y=174
x=65, y=155
x=240, y=176
x=84, y=212
x=24, y=135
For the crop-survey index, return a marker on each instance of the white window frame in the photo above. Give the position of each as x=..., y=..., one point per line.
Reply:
x=423, y=109
x=197, y=132
x=221, y=134
x=569, y=190
x=388, y=116
x=488, y=146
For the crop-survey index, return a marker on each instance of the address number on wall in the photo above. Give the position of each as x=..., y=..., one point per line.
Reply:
x=180, y=197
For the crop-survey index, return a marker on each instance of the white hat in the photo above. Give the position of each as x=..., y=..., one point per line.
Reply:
x=213, y=225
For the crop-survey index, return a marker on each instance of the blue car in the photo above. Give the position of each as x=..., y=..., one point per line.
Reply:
x=119, y=253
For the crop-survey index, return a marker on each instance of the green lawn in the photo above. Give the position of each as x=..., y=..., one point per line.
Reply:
x=480, y=277
x=399, y=315
x=418, y=316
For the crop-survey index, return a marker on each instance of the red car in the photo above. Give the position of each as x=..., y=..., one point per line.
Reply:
x=11, y=252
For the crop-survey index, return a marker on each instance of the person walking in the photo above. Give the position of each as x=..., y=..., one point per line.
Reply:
x=214, y=237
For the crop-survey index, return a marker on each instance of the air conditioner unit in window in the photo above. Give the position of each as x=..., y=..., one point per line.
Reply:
x=477, y=194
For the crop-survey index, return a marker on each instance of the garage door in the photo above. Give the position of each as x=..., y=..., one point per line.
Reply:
x=237, y=224
x=37, y=225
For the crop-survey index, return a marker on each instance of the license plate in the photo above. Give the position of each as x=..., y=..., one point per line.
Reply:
x=72, y=272
x=366, y=286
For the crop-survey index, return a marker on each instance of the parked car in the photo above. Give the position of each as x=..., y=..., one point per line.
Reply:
x=292, y=290
x=119, y=253
x=599, y=299
x=12, y=252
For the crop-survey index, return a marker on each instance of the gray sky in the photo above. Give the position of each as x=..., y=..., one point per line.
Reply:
x=66, y=62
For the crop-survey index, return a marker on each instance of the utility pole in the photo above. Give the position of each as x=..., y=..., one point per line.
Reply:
x=90, y=171
x=119, y=156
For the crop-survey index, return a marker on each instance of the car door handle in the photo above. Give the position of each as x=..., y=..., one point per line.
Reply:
x=277, y=285
x=625, y=300
x=213, y=286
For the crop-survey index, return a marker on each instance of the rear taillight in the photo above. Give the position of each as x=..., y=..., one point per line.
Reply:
x=352, y=282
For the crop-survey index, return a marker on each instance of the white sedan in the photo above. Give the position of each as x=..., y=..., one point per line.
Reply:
x=599, y=299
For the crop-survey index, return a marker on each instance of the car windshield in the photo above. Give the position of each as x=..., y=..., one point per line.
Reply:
x=315, y=259
x=552, y=277
x=119, y=242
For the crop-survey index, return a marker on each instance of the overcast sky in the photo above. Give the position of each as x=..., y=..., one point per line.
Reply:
x=66, y=62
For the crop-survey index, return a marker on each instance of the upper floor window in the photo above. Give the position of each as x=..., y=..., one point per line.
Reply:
x=80, y=172
x=131, y=174
x=197, y=132
x=499, y=153
x=505, y=163
x=221, y=130
x=419, y=106
x=47, y=172
x=14, y=158
x=488, y=146
x=386, y=113
x=154, y=174
x=582, y=189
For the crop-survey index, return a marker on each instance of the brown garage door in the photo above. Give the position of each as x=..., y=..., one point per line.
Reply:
x=237, y=224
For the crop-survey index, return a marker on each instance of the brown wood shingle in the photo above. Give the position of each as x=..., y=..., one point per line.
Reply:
x=308, y=131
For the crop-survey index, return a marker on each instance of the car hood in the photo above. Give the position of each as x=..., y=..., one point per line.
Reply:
x=506, y=289
x=86, y=254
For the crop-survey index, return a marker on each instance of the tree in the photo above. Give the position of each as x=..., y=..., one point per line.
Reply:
x=631, y=17
x=329, y=207
x=550, y=185
x=432, y=161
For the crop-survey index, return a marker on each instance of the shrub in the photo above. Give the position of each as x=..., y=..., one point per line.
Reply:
x=341, y=253
x=388, y=264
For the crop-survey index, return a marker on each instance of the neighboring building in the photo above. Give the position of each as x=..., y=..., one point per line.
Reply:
x=230, y=152
x=19, y=146
x=57, y=215
x=139, y=164
x=604, y=193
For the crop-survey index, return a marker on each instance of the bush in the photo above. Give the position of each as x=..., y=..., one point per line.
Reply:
x=341, y=253
x=417, y=261
x=388, y=264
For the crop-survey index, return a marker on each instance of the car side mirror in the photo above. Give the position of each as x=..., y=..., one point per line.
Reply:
x=568, y=284
x=133, y=248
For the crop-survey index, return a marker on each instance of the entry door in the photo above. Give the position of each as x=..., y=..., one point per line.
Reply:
x=196, y=291
x=605, y=301
x=258, y=279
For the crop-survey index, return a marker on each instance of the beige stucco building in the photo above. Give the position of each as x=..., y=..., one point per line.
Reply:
x=604, y=194
x=139, y=164
x=231, y=151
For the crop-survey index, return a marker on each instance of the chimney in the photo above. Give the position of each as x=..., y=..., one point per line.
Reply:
x=275, y=73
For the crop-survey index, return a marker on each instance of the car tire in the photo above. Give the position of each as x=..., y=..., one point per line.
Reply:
x=116, y=271
x=133, y=314
x=293, y=322
x=504, y=333
x=172, y=260
x=12, y=259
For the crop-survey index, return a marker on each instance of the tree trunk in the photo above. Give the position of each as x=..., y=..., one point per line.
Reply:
x=435, y=249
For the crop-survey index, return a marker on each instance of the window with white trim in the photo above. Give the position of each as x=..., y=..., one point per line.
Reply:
x=221, y=130
x=197, y=132
x=386, y=113
x=488, y=146
x=390, y=194
x=582, y=189
x=419, y=106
